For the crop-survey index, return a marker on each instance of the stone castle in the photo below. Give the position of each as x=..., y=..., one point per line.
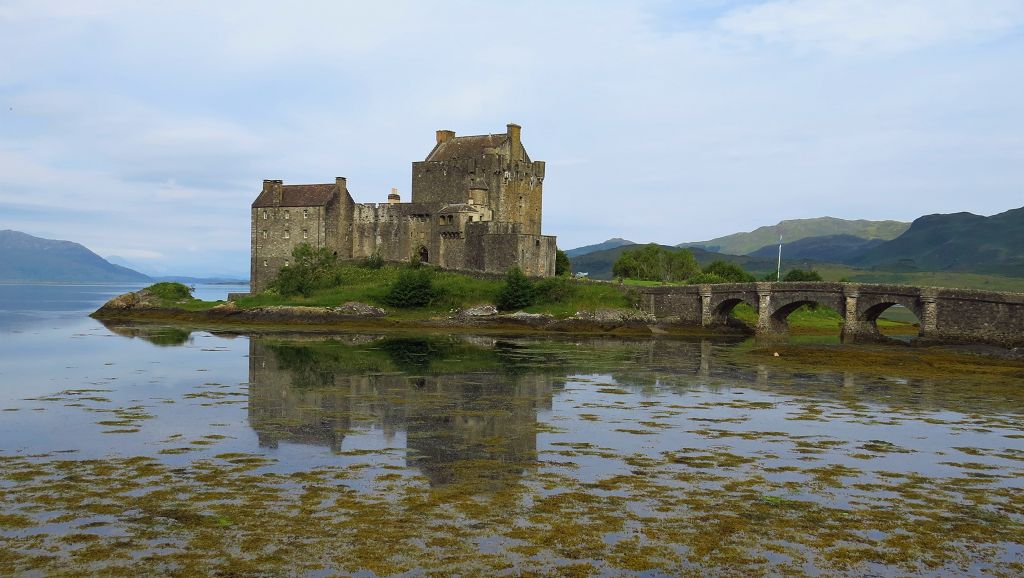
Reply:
x=476, y=206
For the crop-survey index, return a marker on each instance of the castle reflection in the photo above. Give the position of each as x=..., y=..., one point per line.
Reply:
x=461, y=403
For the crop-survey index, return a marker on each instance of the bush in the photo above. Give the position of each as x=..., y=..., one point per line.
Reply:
x=375, y=261
x=170, y=290
x=801, y=275
x=413, y=288
x=563, y=267
x=728, y=272
x=311, y=269
x=654, y=263
x=517, y=292
x=554, y=290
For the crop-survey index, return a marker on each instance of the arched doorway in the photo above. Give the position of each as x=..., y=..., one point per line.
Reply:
x=424, y=255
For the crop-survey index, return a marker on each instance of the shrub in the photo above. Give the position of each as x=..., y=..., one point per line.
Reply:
x=554, y=290
x=374, y=261
x=311, y=269
x=801, y=275
x=727, y=272
x=517, y=292
x=654, y=263
x=413, y=288
x=170, y=290
x=562, y=264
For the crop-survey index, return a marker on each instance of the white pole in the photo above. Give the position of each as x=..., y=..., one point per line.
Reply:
x=778, y=271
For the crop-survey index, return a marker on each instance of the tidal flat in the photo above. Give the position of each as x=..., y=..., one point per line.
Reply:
x=164, y=451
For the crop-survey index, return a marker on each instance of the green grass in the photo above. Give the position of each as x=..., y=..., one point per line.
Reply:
x=179, y=296
x=457, y=291
x=825, y=320
x=923, y=278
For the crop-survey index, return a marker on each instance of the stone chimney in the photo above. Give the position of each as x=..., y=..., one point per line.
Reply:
x=394, y=198
x=444, y=135
x=514, y=132
x=275, y=188
x=341, y=183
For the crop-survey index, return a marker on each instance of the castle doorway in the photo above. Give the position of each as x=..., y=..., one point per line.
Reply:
x=424, y=255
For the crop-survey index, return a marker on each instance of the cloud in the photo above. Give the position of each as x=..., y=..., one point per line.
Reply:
x=869, y=26
x=149, y=127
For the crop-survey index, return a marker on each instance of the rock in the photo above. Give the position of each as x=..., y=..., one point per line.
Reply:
x=229, y=307
x=123, y=302
x=480, y=311
x=359, y=309
x=524, y=316
x=615, y=316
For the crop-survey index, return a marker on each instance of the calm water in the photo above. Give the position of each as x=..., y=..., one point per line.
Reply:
x=166, y=451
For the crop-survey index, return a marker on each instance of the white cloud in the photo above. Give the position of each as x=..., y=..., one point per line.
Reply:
x=867, y=26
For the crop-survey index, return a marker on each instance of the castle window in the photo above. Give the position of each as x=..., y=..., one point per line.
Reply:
x=287, y=215
x=264, y=262
x=264, y=214
x=537, y=242
x=440, y=220
x=305, y=214
x=286, y=263
x=305, y=235
x=287, y=235
x=264, y=233
x=450, y=219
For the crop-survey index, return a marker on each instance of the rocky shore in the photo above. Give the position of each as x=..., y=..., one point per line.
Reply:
x=143, y=306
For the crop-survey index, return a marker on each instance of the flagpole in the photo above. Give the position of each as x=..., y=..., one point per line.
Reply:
x=778, y=271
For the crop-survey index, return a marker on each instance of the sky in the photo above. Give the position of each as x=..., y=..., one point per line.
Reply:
x=144, y=129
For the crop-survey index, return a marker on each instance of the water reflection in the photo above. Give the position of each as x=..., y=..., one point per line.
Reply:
x=463, y=405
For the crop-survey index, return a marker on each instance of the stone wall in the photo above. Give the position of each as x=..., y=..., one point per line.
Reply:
x=276, y=231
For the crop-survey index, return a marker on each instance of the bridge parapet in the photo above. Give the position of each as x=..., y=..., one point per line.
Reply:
x=945, y=315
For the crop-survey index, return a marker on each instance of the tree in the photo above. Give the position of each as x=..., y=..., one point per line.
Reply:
x=413, y=288
x=517, y=292
x=801, y=275
x=562, y=264
x=310, y=269
x=654, y=263
x=728, y=272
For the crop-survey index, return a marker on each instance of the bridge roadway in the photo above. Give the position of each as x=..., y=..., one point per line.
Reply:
x=946, y=315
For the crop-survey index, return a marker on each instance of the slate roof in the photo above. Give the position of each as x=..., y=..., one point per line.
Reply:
x=465, y=147
x=298, y=196
x=459, y=208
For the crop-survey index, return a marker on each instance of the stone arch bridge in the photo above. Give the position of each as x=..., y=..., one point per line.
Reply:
x=946, y=315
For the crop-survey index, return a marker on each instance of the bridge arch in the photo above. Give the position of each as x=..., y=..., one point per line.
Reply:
x=870, y=312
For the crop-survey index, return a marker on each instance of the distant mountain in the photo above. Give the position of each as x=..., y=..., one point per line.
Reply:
x=27, y=258
x=796, y=229
x=961, y=242
x=609, y=244
x=598, y=265
x=829, y=249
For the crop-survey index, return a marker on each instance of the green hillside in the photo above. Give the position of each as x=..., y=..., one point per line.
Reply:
x=961, y=242
x=796, y=229
x=609, y=244
x=828, y=248
x=27, y=258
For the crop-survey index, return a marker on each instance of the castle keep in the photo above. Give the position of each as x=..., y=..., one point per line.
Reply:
x=476, y=206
